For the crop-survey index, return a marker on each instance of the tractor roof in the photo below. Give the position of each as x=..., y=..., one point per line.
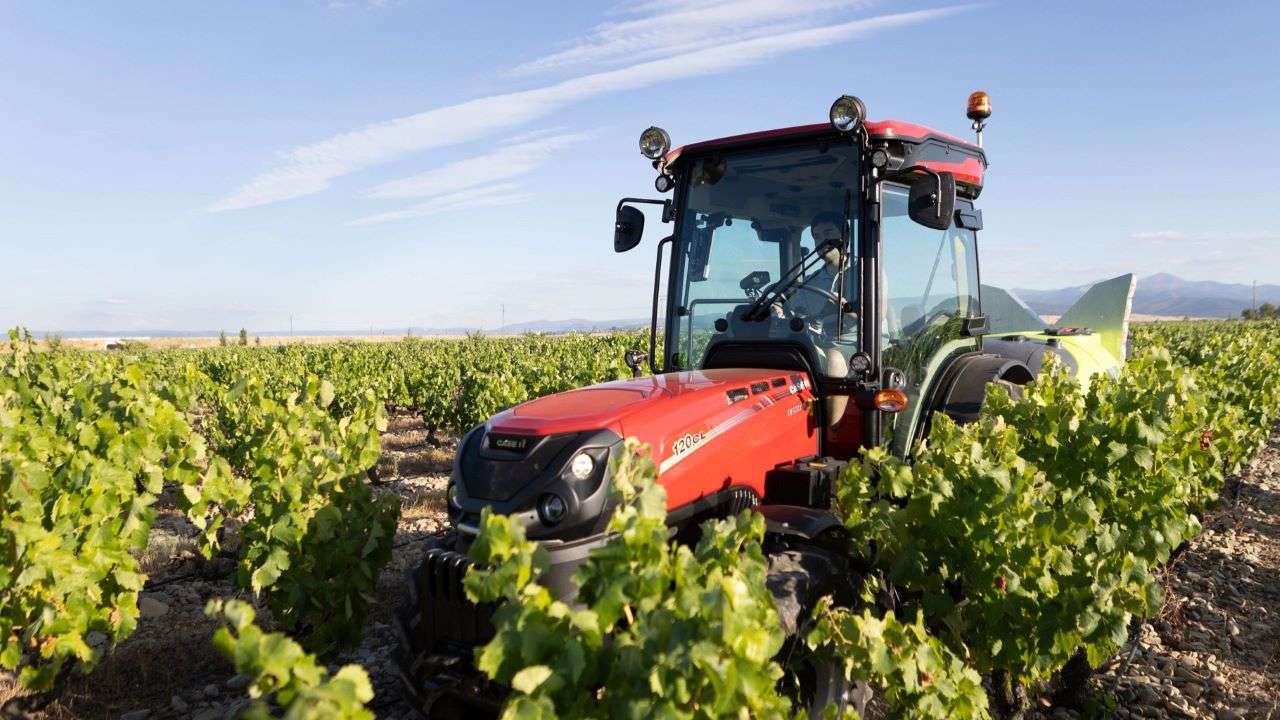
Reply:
x=922, y=146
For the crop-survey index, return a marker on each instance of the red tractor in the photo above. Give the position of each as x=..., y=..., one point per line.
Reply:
x=822, y=297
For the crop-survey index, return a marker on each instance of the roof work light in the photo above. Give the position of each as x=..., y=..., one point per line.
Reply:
x=654, y=143
x=847, y=113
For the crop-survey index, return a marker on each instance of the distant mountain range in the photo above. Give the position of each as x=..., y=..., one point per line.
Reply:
x=1165, y=294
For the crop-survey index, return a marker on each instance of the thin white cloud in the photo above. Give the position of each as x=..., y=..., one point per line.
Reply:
x=534, y=135
x=1158, y=235
x=311, y=168
x=486, y=196
x=504, y=163
x=672, y=28
x=346, y=4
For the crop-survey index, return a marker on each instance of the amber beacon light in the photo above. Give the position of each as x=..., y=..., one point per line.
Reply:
x=979, y=110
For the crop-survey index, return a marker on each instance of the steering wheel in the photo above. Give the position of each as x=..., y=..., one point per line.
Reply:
x=824, y=294
x=827, y=296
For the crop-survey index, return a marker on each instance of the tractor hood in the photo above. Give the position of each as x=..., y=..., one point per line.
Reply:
x=625, y=406
x=712, y=434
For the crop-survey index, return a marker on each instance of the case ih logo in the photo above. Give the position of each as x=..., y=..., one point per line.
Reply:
x=686, y=443
x=511, y=443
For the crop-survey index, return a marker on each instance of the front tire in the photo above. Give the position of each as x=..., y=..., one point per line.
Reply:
x=439, y=681
x=799, y=577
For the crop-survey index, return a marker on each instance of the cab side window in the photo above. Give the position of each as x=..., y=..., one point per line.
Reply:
x=929, y=275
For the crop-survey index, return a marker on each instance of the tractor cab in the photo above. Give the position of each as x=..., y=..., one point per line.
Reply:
x=844, y=250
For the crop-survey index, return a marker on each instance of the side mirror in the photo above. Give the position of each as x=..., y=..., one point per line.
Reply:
x=628, y=228
x=933, y=200
x=634, y=359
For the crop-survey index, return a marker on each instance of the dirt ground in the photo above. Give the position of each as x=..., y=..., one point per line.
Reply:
x=1213, y=652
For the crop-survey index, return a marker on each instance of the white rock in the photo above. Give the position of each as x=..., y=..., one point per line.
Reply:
x=150, y=607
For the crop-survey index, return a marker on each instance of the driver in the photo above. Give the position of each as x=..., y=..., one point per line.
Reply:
x=824, y=227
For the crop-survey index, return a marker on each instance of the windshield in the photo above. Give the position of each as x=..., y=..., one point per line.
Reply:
x=749, y=218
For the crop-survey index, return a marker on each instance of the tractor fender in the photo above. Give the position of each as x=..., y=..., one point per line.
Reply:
x=799, y=522
x=963, y=387
x=1032, y=352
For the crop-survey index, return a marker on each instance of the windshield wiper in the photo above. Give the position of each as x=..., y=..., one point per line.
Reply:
x=756, y=311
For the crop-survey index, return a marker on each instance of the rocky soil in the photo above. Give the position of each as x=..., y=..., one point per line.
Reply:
x=1213, y=651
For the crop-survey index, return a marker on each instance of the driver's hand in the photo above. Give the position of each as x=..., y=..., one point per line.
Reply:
x=778, y=311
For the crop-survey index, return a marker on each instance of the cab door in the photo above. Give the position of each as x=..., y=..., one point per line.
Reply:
x=928, y=287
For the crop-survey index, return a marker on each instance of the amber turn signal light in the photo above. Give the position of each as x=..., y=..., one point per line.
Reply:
x=979, y=105
x=891, y=401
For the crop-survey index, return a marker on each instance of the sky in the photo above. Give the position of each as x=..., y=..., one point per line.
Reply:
x=356, y=164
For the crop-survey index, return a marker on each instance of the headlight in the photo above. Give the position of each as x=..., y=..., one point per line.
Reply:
x=582, y=466
x=654, y=143
x=452, y=497
x=551, y=509
x=847, y=113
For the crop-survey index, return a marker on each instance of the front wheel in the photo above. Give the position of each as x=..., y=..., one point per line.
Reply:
x=814, y=679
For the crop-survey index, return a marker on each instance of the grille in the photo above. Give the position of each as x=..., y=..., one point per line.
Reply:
x=491, y=474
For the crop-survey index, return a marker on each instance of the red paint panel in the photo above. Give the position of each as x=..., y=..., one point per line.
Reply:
x=781, y=133
x=899, y=130
x=968, y=171
x=726, y=445
x=845, y=440
x=607, y=404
